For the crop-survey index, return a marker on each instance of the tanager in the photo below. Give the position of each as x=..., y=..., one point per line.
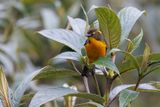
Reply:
x=95, y=45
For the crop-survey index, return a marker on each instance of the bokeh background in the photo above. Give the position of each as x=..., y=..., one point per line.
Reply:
x=22, y=50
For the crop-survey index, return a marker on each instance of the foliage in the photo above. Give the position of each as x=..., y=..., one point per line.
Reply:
x=70, y=64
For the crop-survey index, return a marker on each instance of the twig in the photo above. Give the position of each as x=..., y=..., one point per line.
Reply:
x=137, y=84
x=112, y=101
x=75, y=68
x=85, y=79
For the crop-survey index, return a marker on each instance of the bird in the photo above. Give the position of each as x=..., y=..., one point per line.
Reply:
x=95, y=45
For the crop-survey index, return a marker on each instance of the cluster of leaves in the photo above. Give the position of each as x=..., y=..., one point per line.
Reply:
x=115, y=28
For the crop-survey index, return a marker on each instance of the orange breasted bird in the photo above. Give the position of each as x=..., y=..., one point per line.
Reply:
x=95, y=45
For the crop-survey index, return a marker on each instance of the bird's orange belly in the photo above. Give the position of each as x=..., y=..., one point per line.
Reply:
x=95, y=50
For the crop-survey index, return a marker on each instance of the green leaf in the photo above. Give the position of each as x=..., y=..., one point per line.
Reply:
x=31, y=2
x=128, y=17
x=68, y=55
x=27, y=97
x=146, y=54
x=66, y=37
x=137, y=40
x=152, y=57
x=147, y=87
x=83, y=51
x=106, y=62
x=78, y=25
x=132, y=45
x=114, y=92
x=89, y=104
x=93, y=97
x=4, y=89
x=126, y=97
x=49, y=94
x=156, y=84
x=144, y=87
x=51, y=72
x=24, y=85
x=128, y=65
x=131, y=62
x=109, y=25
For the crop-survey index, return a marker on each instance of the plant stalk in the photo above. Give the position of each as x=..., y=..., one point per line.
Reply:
x=109, y=83
x=129, y=105
x=137, y=84
x=108, y=88
x=75, y=68
x=97, y=85
x=85, y=80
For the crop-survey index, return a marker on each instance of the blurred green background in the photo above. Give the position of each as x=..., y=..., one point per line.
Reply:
x=22, y=50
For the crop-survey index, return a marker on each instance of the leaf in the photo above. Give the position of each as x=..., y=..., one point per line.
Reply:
x=87, y=26
x=152, y=57
x=51, y=72
x=130, y=46
x=146, y=54
x=92, y=14
x=1, y=104
x=73, y=9
x=47, y=17
x=126, y=97
x=4, y=89
x=128, y=17
x=66, y=37
x=118, y=89
x=68, y=55
x=31, y=2
x=144, y=87
x=135, y=42
x=128, y=65
x=106, y=62
x=109, y=25
x=156, y=84
x=24, y=85
x=93, y=97
x=131, y=63
x=7, y=63
x=49, y=94
x=89, y=104
x=78, y=25
x=27, y=97
x=147, y=87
